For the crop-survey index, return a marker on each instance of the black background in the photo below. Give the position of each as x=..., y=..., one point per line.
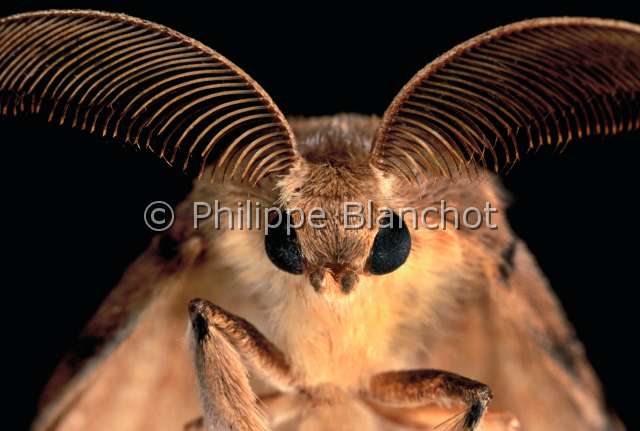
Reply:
x=72, y=213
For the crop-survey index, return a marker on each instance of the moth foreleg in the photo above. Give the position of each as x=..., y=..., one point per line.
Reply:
x=262, y=357
x=419, y=387
x=224, y=345
x=227, y=398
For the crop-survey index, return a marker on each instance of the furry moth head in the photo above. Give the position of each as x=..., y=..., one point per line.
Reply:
x=485, y=102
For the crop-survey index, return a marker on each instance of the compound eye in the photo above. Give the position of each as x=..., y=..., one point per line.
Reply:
x=391, y=247
x=283, y=248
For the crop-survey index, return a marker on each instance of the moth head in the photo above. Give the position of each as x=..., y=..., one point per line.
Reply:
x=342, y=230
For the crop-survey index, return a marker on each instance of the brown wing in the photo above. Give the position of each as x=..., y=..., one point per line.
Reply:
x=539, y=82
x=145, y=85
x=130, y=368
x=157, y=274
x=507, y=329
x=546, y=377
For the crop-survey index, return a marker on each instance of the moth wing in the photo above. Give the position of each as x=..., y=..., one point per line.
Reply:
x=134, y=340
x=531, y=330
x=507, y=328
x=131, y=367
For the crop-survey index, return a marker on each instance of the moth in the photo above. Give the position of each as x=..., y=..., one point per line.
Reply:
x=381, y=328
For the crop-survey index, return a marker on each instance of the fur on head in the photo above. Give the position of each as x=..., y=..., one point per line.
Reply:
x=335, y=255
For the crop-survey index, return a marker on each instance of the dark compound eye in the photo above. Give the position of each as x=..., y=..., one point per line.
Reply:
x=283, y=249
x=391, y=246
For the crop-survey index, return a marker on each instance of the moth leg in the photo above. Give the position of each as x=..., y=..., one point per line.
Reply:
x=222, y=345
x=414, y=388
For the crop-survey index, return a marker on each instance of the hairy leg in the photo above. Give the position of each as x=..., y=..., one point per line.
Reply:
x=436, y=397
x=224, y=345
